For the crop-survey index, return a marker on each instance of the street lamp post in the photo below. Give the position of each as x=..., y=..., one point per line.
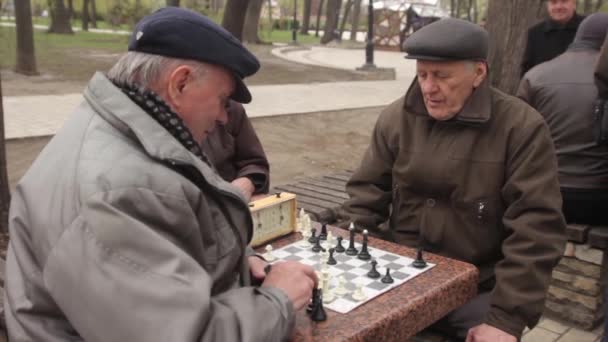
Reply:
x=369, y=46
x=294, y=26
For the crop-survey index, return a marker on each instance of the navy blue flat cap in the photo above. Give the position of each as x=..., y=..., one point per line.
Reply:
x=181, y=33
x=448, y=39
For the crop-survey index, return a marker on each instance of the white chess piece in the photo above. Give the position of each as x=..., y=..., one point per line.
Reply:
x=301, y=220
x=268, y=255
x=330, y=240
x=352, y=225
x=306, y=233
x=340, y=290
x=359, y=295
x=328, y=296
x=306, y=224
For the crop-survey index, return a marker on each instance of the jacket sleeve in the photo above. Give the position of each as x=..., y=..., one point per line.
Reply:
x=370, y=187
x=524, y=90
x=121, y=272
x=601, y=72
x=527, y=58
x=535, y=230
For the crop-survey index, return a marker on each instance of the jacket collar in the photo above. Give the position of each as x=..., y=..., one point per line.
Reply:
x=477, y=109
x=126, y=116
x=572, y=24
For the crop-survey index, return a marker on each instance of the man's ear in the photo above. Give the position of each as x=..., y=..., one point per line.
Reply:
x=176, y=82
x=481, y=72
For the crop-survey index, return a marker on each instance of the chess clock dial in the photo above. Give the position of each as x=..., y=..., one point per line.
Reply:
x=273, y=216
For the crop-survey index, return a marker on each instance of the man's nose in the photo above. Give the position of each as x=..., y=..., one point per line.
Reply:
x=428, y=86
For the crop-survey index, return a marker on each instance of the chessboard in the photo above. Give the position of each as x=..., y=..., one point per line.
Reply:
x=353, y=272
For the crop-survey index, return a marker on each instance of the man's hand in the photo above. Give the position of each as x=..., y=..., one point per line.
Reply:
x=256, y=267
x=245, y=186
x=485, y=332
x=295, y=279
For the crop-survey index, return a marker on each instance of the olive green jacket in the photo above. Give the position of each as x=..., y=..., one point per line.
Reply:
x=481, y=188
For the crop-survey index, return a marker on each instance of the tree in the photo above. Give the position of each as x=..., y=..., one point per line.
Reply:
x=598, y=5
x=252, y=22
x=306, y=17
x=5, y=194
x=508, y=22
x=347, y=7
x=71, y=9
x=319, y=12
x=587, y=6
x=26, y=58
x=60, y=20
x=234, y=17
x=355, y=20
x=85, y=15
x=331, y=21
x=174, y=3
x=93, y=14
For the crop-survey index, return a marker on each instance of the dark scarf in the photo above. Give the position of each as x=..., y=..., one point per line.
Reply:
x=156, y=107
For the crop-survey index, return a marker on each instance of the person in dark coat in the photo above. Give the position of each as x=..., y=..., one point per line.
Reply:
x=564, y=92
x=466, y=171
x=237, y=154
x=551, y=37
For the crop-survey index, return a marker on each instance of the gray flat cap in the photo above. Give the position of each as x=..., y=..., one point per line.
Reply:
x=448, y=40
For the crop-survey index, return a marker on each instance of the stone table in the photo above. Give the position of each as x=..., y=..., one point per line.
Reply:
x=399, y=313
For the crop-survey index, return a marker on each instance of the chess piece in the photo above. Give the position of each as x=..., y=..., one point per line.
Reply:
x=330, y=238
x=301, y=220
x=268, y=255
x=318, y=311
x=306, y=225
x=373, y=273
x=339, y=248
x=351, y=250
x=331, y=260
x=323, y=234
x=341, y=290
x=359, y=295
x=317, y=247
x=419, y=262
x=387, y=279
x=328, y=297
x=313, y=235
x=313, y=300
x=305, y=236
x=364, y=254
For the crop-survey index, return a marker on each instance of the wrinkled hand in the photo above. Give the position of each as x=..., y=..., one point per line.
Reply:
x=485, y=332
x=256, y=267
x=295, y=279
x=245, y=185
x=257, y=197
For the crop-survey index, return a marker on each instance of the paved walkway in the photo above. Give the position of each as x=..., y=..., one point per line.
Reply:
x=27, y=116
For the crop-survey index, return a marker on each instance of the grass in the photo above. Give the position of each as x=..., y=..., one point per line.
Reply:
x=283, y=36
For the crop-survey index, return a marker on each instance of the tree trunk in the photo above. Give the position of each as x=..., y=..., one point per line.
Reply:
x=475, y=11
x=5, y=194
x=173, y=3
x=452, y=8
x=93, y=14
x=469, y=9
x=319, y=12
x=252, y=22
x=331, y=21
x=306, y=17
x=598, y=5
x=507, y=24
x=26, y=58
x=355, y=20
x=85, y=15
x=349, y=4
x=234, y=17
x=71, y=9
x=458, y=7
x=60, y=21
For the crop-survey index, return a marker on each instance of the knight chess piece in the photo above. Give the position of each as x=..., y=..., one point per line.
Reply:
x=364, y=254
x=387, y=279
x=373, y=273
x=339, y=248
x=419, y=262
x=351, y=250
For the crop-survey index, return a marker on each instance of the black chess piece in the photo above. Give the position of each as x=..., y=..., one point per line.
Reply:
x=419, y=262
x=387, y=279
x=318, y=311
x=373, y=273
x=331, y=260
x=323, y=235
x=364, y=254
x=351, y=250
x=339, y=248
x=317, y=246
x=313, y=300
x=313, y=236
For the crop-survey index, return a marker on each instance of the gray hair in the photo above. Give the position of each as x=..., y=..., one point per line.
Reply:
x=144, y=70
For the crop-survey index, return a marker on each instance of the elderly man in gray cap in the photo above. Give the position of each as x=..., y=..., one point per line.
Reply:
x=122, y=231
x=463, y=170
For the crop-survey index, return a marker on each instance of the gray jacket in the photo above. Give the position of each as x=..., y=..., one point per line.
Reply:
x=118, y=233
x=563, y=91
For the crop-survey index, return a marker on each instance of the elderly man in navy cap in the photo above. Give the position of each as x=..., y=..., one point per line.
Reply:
x=122, y=231
x=463, y=170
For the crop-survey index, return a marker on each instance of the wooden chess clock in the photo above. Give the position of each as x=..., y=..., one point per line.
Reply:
x=273, y=216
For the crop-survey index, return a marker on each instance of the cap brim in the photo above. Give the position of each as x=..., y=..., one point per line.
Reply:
x=241, y=93
x=430, y=58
